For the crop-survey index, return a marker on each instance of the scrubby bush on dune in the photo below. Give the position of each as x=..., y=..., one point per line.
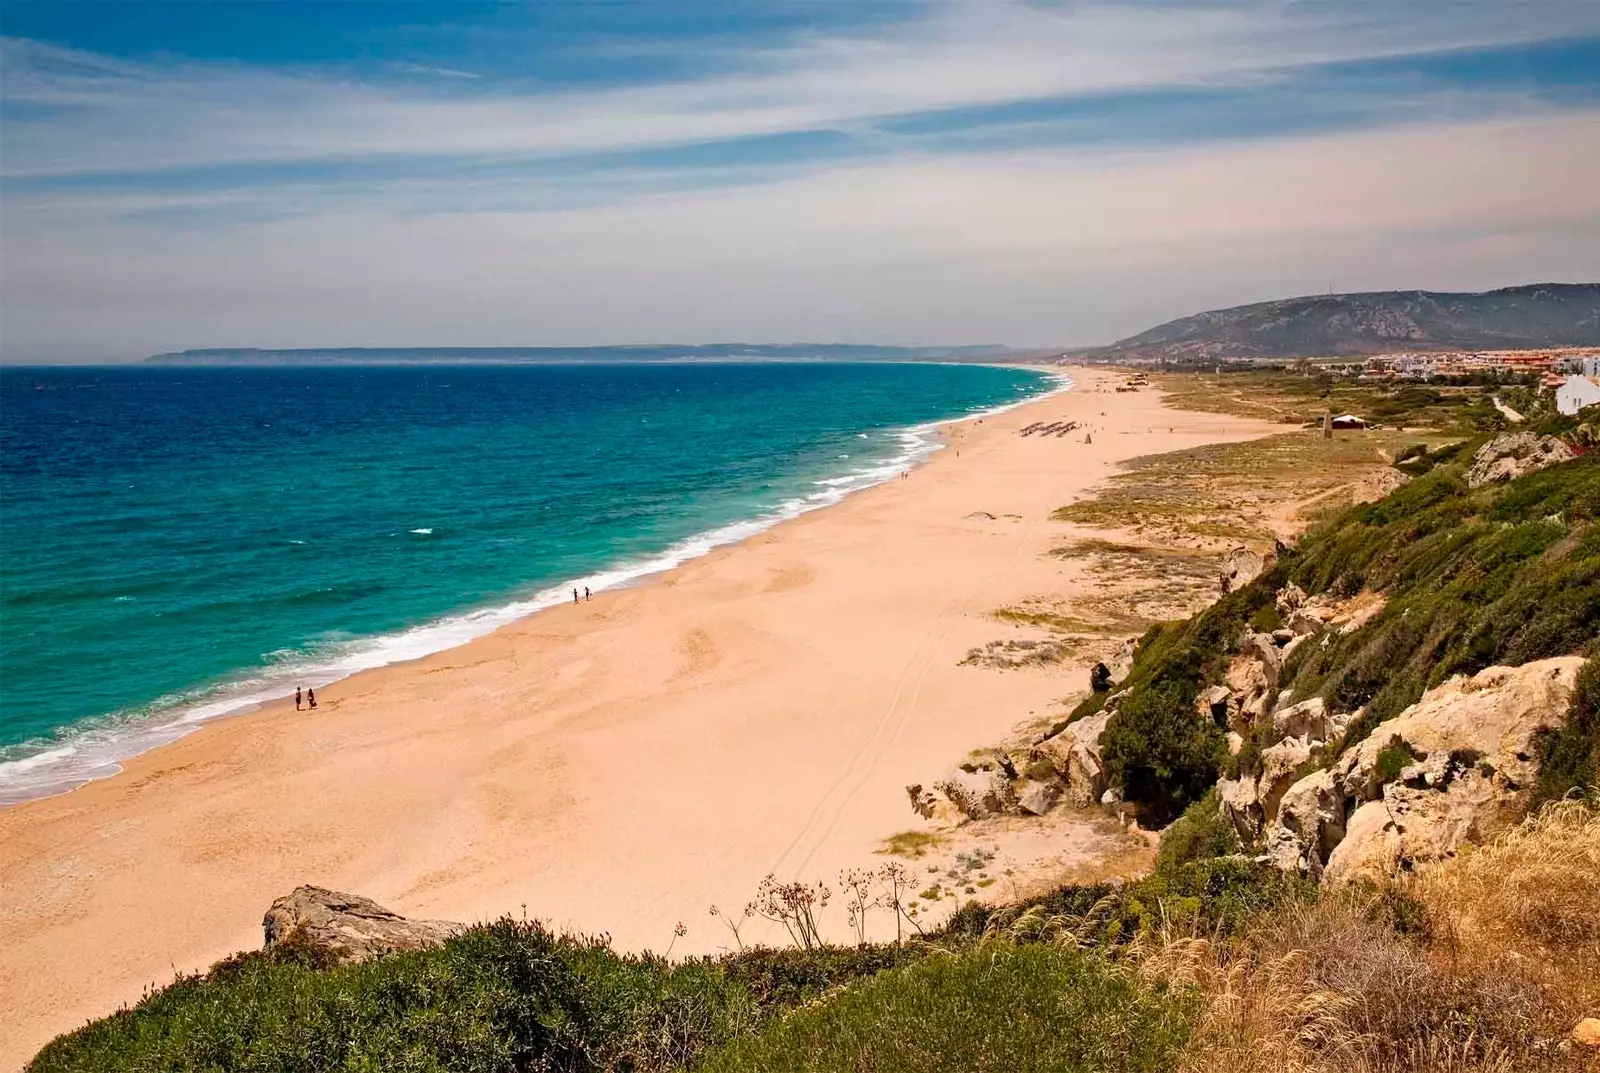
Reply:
x=508, y=995
x=1158, y=752
x=996, y=1006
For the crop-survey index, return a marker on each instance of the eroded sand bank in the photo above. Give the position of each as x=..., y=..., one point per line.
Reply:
x=615, y=766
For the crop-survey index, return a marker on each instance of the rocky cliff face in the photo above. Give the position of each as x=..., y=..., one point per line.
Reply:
x=1507, y=457
x=1454, y=768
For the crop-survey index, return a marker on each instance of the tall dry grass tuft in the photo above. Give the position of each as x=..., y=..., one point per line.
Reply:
x=1331, y=986
x=1530, y=899
x=1347, y=982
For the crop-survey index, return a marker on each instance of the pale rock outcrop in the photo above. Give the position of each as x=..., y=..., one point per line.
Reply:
x=1278, y=765
x=1290, y=599
x=1515, y=454
x=1308, y=719
x=1370, y=849
x=1075, y=754
x=1242, y=566
x=1310, y=823
x=975, y=794
x=1374, y=486
x=1216, y=704
x=1491, y=717
x=1037, y=798
x=1240, y=803
x=1265, y=650
x=1308, y=620
x=1473, y=744
x=348, y=927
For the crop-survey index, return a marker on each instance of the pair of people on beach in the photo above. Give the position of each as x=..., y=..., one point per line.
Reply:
x=310, y=698
x=586, y=595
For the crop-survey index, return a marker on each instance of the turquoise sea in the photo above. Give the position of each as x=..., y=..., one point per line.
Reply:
x=181, y=543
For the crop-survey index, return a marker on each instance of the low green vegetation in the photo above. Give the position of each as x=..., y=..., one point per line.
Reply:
x=1197, y=494
x=911, y=843
x=509, y=995
x=1200, y=833
x=1502, y=574
x=999, y=1005
x=1302, y=392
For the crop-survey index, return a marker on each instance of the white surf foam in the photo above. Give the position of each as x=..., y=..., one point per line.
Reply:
x=96, y=750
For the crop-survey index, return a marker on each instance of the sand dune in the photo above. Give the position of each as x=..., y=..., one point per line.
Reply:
x=618, y=765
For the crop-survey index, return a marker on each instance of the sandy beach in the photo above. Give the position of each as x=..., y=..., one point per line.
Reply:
x=614, y=766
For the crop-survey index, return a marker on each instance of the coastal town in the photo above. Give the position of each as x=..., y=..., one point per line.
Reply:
x=1572, y=374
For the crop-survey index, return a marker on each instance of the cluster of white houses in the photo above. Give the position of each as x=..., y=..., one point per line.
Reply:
x=1573, y=373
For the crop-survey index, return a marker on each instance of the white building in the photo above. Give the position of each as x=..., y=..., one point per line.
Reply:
x=1576, y=394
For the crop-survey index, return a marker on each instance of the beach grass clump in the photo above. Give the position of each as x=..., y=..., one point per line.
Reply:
x=997, y=1005
x=911, y=844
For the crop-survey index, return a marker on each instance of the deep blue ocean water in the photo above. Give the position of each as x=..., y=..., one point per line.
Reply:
x=176, y=543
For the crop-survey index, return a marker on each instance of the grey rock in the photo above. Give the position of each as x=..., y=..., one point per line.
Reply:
x=348, y=927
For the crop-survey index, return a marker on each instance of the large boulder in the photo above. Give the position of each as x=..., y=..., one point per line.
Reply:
x=1241, y=566
x=1278, y=766
x=1241, y=806
x=976, y=794
x=1308, y=719
x=1075, y=754
x=347, y=927
x=1509, y=456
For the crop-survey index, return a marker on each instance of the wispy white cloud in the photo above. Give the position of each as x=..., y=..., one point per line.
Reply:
x=1034, y=247
x=106, y=114
x=238, y=205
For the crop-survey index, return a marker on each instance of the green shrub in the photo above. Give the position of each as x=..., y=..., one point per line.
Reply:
x=1160, y=750
x=1569, y=758
x=1201, y=832
x=1392, y=760
x=501, y=996
x=1041, y=1008
x=1213, y=896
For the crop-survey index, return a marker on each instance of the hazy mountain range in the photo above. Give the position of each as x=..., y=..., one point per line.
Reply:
x=1534, y=315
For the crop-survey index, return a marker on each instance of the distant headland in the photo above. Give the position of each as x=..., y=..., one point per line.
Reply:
x=560, y=354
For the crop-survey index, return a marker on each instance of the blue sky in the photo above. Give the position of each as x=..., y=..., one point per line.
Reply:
x=1051, y=173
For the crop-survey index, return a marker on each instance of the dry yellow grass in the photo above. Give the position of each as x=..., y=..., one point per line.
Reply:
x=1531, y=898
x=1493, y=983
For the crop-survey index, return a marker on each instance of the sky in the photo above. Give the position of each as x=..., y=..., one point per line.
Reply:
x=188, y=174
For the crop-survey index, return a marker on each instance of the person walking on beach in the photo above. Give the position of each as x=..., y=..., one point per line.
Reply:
x=574, y=595
x=586, y=596
x=311, y=698
x=297, y=698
